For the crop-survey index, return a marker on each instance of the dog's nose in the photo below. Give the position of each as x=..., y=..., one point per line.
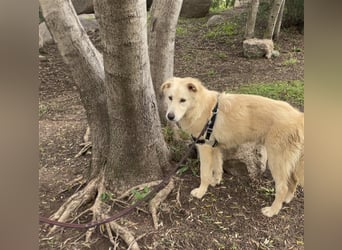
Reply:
x=171, y=116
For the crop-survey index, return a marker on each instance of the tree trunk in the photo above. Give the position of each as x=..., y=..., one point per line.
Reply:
x=252, y=15
x=272, y=19
x=116, y=90
x=87, y=71
x=161, y=39
x=137, y=150
x=279, y=21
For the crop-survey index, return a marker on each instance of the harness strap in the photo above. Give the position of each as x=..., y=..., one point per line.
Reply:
x=211, y=122
x=210, y=128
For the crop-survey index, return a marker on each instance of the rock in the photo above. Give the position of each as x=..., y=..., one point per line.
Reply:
x=195, y=8
x=215, y=20
x=88, y=22
x=246, y=160
x=83, y=6
x=257, y=48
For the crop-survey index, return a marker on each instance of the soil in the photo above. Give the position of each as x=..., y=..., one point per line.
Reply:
x=229, y=216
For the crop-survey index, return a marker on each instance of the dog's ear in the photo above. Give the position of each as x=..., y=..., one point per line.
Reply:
x=164, y=86
x=192, y=87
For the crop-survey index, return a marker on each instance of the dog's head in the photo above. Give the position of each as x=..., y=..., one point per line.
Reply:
x=180, y=96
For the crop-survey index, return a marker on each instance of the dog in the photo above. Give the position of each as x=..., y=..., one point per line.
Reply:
x=239, y=118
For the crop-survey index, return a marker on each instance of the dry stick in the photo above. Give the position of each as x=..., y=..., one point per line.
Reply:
x=178, y=197
x=86, y=146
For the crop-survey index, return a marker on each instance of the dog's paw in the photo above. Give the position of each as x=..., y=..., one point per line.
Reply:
x=268, y=211
x=197, y=193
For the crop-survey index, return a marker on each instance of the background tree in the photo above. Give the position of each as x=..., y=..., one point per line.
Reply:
x=272, y=18
x=251, y=18
x=161, y=40
x=117, y=93
x=279, y=21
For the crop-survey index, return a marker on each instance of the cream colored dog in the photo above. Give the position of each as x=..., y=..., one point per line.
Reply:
x=240, y=119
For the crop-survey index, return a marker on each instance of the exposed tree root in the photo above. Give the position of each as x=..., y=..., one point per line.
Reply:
x=78, y=181
x=159, y=198
x=138, y=187
x=101, y=210
x=74, y=202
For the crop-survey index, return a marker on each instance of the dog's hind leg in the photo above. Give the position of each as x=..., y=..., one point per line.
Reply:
x=278, y=167
x=206, y=158
x=217, y=167
x=291, y=185
x=299, y=171
x=297, y=176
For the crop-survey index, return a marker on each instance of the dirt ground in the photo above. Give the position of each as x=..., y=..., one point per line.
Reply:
x=229, y=216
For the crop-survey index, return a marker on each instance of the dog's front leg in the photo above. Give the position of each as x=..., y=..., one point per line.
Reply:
x=206, y=159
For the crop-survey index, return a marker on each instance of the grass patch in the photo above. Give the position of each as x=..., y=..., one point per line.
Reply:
x=220, y=5
x=181, y=31
x=225, y=29
x=221, y=55
x=290, y=61
x=43, y=109
x=211, y=72
x=289, y=91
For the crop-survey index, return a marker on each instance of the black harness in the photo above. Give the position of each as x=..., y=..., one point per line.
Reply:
x=210, y=128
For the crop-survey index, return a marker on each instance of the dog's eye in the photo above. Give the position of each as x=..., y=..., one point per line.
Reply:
x=182, y=100
x=170, y=98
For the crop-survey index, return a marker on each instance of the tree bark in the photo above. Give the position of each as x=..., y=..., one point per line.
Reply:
x=87, y=70
x=116, y=90
x=272, y=19
x=252, y=15
x=161, y=39
x=137, y=151
x=279, y=21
